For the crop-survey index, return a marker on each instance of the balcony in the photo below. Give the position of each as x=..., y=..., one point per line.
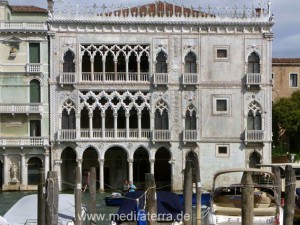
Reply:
x=37, y=26
x=190, y=136
x=96, y=134
x=67, y=78
x=253, y=79
x=33, y=68
x=189, y=79
x=114, y=77
x=161, y=136
x=23, y=141
x=254, y=136
x=21, y=108
x=160, y=79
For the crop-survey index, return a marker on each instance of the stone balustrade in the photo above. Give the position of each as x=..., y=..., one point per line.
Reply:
x=21, y=108
x=23, y=141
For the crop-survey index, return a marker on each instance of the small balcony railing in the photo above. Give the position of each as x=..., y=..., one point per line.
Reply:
x=67, y=134
x=254, y=135
x=253, y=79
x=67, y=78
x=190, y=135
x=160, y=79
x=21, y=108
x=23, y=26
x=161, y=135
x=114, y=77
x=189, y=78
x=24, y=141
x=33, y=68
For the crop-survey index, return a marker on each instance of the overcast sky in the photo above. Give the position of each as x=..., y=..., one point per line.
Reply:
x=287, y=18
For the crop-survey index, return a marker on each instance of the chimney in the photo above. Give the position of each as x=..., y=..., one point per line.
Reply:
x=50, y=5
x=4, y=8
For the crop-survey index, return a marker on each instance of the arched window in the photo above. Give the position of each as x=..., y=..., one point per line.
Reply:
x=254, y=159
x=190, y=118
x=161, y=63
x=254, y=121
x=68, y=116
x=69, y=65
x=161, y=116
x=253, y=63
x=190, y=63
x=35, y=91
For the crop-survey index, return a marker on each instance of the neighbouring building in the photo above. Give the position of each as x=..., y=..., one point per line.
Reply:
x=285, y=77
x=136, y=89
x=24, y=117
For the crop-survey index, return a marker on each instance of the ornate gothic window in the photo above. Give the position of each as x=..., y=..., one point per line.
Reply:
x=161, y=116
x=254, y=121
x=253, y=63
x=69, y=65
x=35, y=91
x=190, y=118
x=190, y=63
x=161, y=63
x=68, y=116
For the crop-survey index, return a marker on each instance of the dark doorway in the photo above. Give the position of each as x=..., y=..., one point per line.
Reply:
x=34, y=164
x=162, y=169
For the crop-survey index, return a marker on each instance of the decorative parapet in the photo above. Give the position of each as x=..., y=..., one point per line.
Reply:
x=21, y=108
x=19, y=26
x=158, y=12
x=23, y=141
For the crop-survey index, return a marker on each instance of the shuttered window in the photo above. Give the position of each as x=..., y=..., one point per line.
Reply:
x=34, y=52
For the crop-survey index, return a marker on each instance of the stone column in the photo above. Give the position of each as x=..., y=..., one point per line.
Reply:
x=57, y=168
x=172, y=162
x=24, y=172
x=152, y=161
x=101, y=172
x=78, y=126
x=91, y=124
x=116, y=70
x=59, y=125
x=92, y=69
x=130, y=169
x=127, y=115
x=5, y=172
x=103, y=70
x=127, y=70
x=152, y=118
x=46, y=162
x=79, y=163
x=139, y=124
x=116, y=125
x=139, y=70
x=103, y=124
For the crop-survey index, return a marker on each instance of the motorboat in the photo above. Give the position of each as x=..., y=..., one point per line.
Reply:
x=225, y=205
x=115, y=199
x=24, y=211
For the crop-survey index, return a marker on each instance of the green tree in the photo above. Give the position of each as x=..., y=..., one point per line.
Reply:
x=286, y=123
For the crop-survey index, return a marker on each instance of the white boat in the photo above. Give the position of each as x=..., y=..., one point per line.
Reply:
x=24, y=211
x=225, y=205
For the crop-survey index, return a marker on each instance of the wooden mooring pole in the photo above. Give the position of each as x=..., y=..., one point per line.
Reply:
x=41, y=197
x=188, y=192
x=151, y=198
x=247, y=198
x=289, y=197
x=52, y=198
x=77, y=192
x=92, y=183
x=198, y=189
x=278, y=184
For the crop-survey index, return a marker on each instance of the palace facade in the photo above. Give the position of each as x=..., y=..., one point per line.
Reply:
x=134, y=90
x=24, y=117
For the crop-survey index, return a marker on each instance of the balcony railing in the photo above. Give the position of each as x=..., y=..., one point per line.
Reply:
x=24, y=141
x=67, y=78
x=190, y=135
x=161, y=135
x=23, y=26
x=160, y=79
x=21, y=108
x=189, y=78
x=254, y=135
x=253, y=79
x=33, y=68
x=71, y=134
x=115, y=77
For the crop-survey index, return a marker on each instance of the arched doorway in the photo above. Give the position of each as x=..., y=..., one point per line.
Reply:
x=141, y=166
x=1, y=174
x=68, y=166
x=33, y=166
x=115, y=168
x=162, y=169
x=89, y=159
x=254, y=159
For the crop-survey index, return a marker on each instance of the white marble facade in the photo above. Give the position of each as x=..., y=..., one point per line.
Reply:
x=134, y=91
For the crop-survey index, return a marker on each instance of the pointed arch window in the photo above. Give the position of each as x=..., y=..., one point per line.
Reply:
x=161, y=116
x=161, y=63
x=69, y=65
x=190, y=63
x=254, y=159
x=254, y=120
x=190, y=118
x=253, y=63
x=68, y=116
x=35, y=91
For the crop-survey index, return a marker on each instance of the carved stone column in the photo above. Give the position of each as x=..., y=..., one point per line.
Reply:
x=78, y=126
x=139, y=124
x=152, y=161
x=172, y=162
x=92, y=69
x=103, y=124
x=127, y=115
x=101, y=173
x=57, y=168
x=116, y=125
x=5, y=172
x=91, y=124
x=24, y=172
x=116, y=69
x=139, y=70
x=130, y=168
x=103, y=69
x=127, y=70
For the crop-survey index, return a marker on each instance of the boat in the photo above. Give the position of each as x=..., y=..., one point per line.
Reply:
x=115, y=199
x=205, y=198
x=169, y=208
x=225, y=204
x=24, y=211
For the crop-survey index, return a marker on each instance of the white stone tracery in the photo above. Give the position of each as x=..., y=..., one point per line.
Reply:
x=255, y=108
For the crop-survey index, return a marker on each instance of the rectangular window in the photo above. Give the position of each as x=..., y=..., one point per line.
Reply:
x=222, y=150
x=35, y=128
x=221, y=105
x=221, y=53
x=34, y=52
x=293, y=80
